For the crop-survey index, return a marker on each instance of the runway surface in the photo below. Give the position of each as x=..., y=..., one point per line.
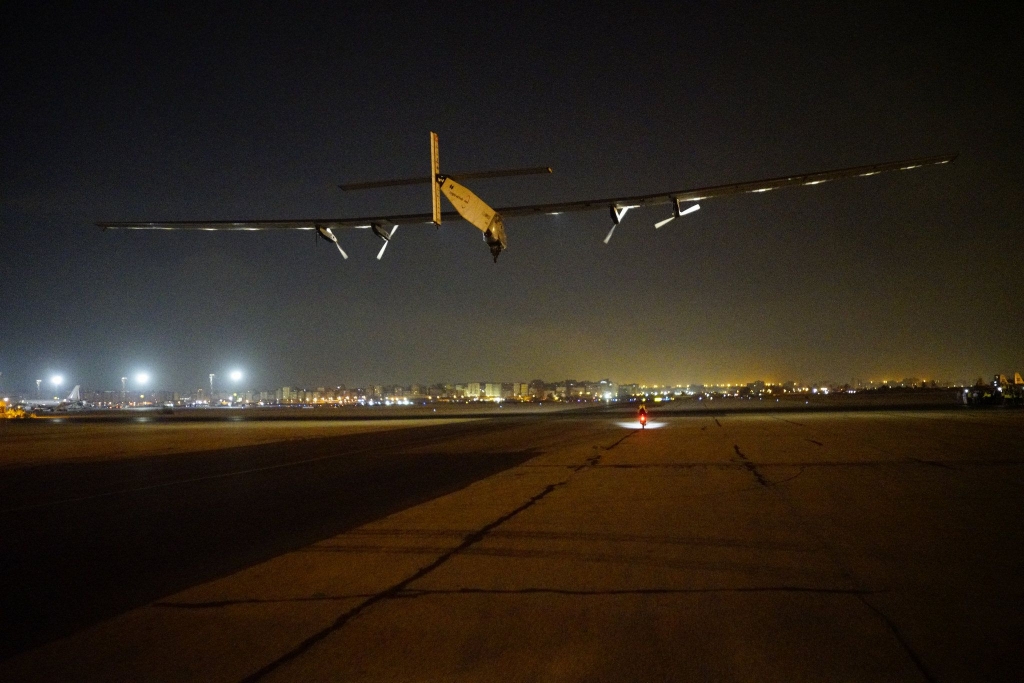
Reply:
x=880, y=545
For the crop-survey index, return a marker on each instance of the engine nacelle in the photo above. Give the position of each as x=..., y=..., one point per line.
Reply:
x=495, y=237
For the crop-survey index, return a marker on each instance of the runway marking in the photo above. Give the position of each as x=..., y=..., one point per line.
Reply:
x=209, y=477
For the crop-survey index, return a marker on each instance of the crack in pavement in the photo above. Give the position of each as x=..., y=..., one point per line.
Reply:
x=470, y=539
x=816, y=443
x=399, y=590
x=751, y=467
x=608, y=448
x=218, y=604
x=935, y=463
x=410, y=593
x=638, y=591
x=782, y=419
x=891, y=625
x=592, y=461
x=595, y=460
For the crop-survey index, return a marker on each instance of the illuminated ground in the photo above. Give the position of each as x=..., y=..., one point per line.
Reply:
x=770, y=546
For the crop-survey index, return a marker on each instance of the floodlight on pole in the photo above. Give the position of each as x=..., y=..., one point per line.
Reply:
x=38, y=384
x=57, y=380
x=142, y=378
x=236, y=375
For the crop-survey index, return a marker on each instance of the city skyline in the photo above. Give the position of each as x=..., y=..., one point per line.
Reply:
x=240, y=385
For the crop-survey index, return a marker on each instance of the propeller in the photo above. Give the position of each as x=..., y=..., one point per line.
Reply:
x=676, y=214
x=387, y=241
x=618, y=213
x=329, y=236
x=381, y=231
x=608, y=237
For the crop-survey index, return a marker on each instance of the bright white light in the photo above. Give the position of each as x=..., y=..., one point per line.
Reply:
x=57, y=380
x=142, y=378
x=635, y=424
x=236, y=375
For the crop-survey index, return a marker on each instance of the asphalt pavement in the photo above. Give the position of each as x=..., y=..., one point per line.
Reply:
x=881, y=545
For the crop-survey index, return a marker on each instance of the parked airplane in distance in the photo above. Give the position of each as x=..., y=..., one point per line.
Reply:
x=73, y=400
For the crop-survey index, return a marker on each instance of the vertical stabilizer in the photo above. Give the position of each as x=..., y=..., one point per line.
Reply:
x=1017, y=378
x=435, y=187
x=75, y=395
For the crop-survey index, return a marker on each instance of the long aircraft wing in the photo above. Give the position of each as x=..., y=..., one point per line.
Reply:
x=538, y=209
x=703, y=193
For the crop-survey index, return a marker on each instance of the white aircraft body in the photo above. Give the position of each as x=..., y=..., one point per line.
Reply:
x=491, y=222
x=73, y=399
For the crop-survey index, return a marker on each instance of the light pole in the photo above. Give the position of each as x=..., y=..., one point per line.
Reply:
x=57, y=380
x=124, y=388
x=211, y=387
x=141, y=379
x=38, y=383
x=236, y=376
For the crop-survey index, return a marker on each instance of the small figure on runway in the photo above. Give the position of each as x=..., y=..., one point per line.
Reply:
x=642, y=415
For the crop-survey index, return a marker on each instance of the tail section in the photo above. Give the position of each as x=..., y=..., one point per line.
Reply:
x=1017, y=378
x=75, y=395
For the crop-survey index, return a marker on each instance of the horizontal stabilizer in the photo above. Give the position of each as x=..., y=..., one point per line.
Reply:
x=423, y=180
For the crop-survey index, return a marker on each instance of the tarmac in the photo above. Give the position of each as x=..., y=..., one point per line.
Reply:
x=876, y=545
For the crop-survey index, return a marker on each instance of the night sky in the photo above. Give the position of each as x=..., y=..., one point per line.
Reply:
x=125, y=112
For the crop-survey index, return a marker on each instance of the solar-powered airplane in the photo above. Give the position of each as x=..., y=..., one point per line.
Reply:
x=491, y=221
